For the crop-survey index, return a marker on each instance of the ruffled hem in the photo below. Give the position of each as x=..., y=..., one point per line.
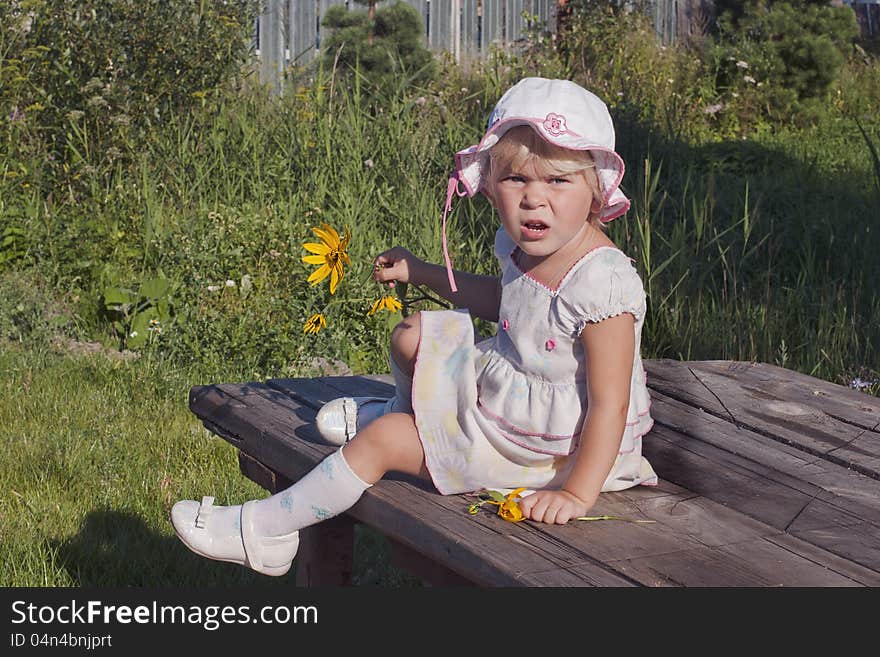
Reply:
x=547, y=417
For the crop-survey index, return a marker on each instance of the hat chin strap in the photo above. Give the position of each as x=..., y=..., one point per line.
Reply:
x=451, y=191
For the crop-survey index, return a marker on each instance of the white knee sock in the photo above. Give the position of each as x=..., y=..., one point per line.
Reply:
x=403, y=383
x=326, y=491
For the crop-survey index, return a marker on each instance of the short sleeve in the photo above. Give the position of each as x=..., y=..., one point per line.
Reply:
x=503, y=247
x=604, y=286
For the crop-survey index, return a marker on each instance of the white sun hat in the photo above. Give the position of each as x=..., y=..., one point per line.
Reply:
x=564, y=114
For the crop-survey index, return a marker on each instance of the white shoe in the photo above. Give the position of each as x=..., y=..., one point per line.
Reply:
x=199, y=529
x=339, y=420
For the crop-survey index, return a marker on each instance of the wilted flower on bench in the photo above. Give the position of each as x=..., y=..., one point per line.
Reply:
x=508, y=506
x=509, y=509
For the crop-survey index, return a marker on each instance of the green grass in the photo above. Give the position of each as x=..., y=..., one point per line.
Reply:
x=98, y=449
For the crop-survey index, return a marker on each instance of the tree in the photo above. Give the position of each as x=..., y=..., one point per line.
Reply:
x=384, y=44
x=794, y=49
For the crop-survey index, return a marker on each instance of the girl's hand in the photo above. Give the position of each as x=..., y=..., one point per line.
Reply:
x=553, y=506
x=398, y=265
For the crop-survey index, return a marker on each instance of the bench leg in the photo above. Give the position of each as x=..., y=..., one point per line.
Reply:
x=430, y=572
x=325, y=553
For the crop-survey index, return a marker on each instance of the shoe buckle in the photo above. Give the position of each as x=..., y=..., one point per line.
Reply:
x=205, y=509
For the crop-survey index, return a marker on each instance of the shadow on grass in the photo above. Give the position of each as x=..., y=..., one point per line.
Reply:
x=118, y=549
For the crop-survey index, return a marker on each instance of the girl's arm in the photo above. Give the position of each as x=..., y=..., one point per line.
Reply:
x=481, y=295
x=609, y=347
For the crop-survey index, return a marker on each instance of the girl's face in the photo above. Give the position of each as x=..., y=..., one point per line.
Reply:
x=542, y=212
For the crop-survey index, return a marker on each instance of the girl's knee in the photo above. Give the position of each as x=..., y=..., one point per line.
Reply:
x=405, y=338
x=390, y=442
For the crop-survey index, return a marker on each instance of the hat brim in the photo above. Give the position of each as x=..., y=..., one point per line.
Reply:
x=472, y=163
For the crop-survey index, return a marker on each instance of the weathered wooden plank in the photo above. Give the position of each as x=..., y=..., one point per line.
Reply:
x=754, y=563
x=827, y=512
x=763, y=456
x=318, y=391
x=492, y=30
x=837, y=401
x=730, y=480
x=565, y=558
x=271, y=424
x=800, y=424
x=302, y=30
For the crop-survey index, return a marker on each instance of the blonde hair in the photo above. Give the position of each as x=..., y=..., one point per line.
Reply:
x=521, y=146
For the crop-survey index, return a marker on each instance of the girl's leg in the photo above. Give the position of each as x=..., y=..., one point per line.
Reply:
x=339, y=420
x=264, y=534
x=390, y=443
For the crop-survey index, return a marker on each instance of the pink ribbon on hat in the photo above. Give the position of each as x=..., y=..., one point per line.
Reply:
x=451, y=191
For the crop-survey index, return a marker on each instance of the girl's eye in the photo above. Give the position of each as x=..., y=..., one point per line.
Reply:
x=514, y=178
x=559, y=180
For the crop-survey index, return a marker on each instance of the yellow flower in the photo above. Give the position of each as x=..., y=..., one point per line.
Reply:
x=315, y=323
x=329, y=254
x=509, y=509
x=389, y=303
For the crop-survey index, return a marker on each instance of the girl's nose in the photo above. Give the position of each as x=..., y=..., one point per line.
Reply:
x=533, y=196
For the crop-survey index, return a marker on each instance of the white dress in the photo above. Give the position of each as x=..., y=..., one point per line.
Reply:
x=508, y=411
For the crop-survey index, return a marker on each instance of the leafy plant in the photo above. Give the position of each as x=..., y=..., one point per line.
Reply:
x=141, y=314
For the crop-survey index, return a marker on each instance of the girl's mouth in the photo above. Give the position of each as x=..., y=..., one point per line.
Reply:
x=533, y=228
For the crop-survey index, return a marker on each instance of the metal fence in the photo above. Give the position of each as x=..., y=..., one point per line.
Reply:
x=290, y=31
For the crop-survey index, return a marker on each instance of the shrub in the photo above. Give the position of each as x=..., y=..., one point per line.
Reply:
x=782, y=58
x=95, y=75
x=385, y=45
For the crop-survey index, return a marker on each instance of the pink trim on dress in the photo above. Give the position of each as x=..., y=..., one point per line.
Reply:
x=564, y=276
x=501, y=420
x=541, y=451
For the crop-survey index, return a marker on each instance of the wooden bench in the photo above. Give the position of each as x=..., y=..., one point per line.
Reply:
x=768, y=478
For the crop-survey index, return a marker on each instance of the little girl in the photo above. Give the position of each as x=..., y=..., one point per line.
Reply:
x=555, y=402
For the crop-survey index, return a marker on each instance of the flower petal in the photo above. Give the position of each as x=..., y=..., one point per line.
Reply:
x=315, y=259
x=319, y=275
x=327, y=233
x=313, y=247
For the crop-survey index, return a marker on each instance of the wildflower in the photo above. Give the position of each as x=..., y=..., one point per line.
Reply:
x=315, y=323
x=16, y=115
x=75, y=115
x=368, y=163
x=508, y=507
x=389, y=303
x=742, y=64
x=230, y=283
x=329, y=254
x=133, y=334
x=509, y=510
x=213, y=288
x=713, y=109
x=421, y=100
x=859, y=384
x=749, y=79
